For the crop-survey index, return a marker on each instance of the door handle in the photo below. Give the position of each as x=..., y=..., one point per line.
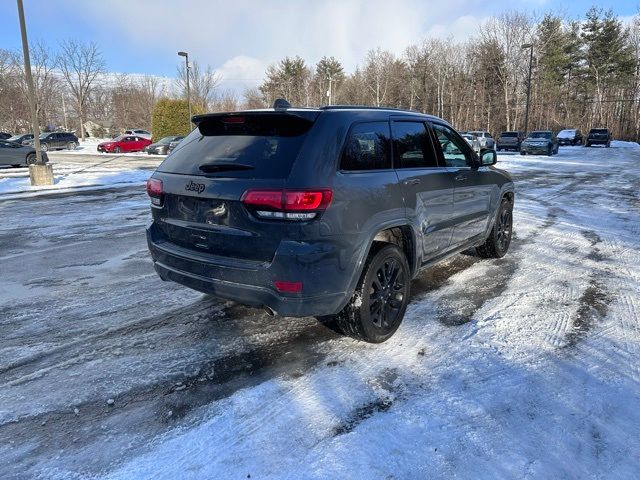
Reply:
x=460, y=177
x=412, y=181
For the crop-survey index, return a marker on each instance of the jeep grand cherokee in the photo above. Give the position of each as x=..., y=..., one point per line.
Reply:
x=325, y=212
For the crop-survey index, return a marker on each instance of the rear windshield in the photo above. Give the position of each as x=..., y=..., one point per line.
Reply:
x=599, y=130
x=540, y=135
x=246, y=146
x=509, y=134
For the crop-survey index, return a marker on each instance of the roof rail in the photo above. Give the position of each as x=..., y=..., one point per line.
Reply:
x=367, y=107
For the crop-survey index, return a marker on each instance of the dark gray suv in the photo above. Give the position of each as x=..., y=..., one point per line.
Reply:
x=323, y=212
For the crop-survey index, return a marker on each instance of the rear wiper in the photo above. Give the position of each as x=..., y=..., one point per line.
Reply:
x=224, y=167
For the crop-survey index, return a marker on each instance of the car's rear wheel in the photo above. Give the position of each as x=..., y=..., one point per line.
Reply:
x=71, y=146
x=44, y=147
x=549, y=150
x=377, y=307
x=522, y=152
x=587, y=144
x=608, y=144
x=31, y=159
x=117, y=150
x=499, y=239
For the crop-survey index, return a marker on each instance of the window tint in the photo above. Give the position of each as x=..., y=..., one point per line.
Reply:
x=455, y=150
x=412, y=146
x=262, y=145
x=367, y=147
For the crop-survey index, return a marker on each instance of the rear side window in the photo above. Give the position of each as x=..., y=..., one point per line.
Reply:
x=243, y=146
x=412, y=147
x=368, y=147
x=599, y=130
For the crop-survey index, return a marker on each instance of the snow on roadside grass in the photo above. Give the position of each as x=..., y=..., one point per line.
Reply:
x=68, y=180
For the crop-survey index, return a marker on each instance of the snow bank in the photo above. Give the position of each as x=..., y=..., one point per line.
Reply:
x=69, y=181
x=622, y=144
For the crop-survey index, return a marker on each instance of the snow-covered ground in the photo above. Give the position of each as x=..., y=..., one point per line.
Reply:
x=79, y=172
x=523, y=367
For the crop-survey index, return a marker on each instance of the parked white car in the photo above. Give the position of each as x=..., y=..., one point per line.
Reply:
x=473, y=141
x=139, y=133
x=485, y=139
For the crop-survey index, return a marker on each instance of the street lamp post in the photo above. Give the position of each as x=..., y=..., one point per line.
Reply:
x=186, y=62
x=40, y=173
x=526, y=115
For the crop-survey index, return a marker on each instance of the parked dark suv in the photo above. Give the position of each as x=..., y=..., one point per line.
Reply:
x=599, y=136
x=510, y=141
x=323, y=212
x=56, y=141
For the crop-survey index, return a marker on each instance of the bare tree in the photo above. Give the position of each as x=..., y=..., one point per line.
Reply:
x=81, y=65
x=46, y=83
x=203, y=83
x=509, y=31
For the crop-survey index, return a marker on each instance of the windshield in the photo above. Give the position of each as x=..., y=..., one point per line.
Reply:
x=166, y=140
x=540, y=135
x=265, y=146
x=15, y=138
x=509, y=134
x=43, y=136
x=566, y=133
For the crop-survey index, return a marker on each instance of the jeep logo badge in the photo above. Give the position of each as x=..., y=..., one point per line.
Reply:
x=194, y=187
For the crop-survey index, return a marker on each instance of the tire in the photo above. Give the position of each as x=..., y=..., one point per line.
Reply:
x=16, y=165
x=549, y=151
x=499, y=239
x=608, y=144
x=44, y=147
x=71, y=146
x=587, y=144
x=523, y=153
x=117, y=150
x=31, y=159
x=377, y=307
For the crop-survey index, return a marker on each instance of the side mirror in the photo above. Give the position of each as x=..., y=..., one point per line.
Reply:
x=488, y=156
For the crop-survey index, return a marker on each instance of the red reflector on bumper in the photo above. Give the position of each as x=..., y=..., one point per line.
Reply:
x=288, y=287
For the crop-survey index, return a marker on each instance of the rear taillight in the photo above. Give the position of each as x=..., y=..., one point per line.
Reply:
x=154, y=190
x=287, y=204
x=288, y=287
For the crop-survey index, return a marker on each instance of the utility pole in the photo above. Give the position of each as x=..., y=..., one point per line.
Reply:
x=329, y=92
x=526, y=115
x=40, y=173
x=186, y=62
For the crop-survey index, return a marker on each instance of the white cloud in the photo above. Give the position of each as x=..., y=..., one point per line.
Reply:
x=242, y=72
x=240, y=39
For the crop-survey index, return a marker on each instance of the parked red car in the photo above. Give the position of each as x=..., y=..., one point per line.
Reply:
x=124, y=143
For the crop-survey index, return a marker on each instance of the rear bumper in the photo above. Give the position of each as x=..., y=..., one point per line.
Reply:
x=317, y=266
x=598, y=141
x=568, y=141
x=506, y=146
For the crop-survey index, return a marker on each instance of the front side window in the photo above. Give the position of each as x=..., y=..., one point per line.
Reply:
x=367, y=147
x=412, y=147
x=455, y=150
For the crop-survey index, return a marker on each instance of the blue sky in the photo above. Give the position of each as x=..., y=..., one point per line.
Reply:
x=241, y=38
